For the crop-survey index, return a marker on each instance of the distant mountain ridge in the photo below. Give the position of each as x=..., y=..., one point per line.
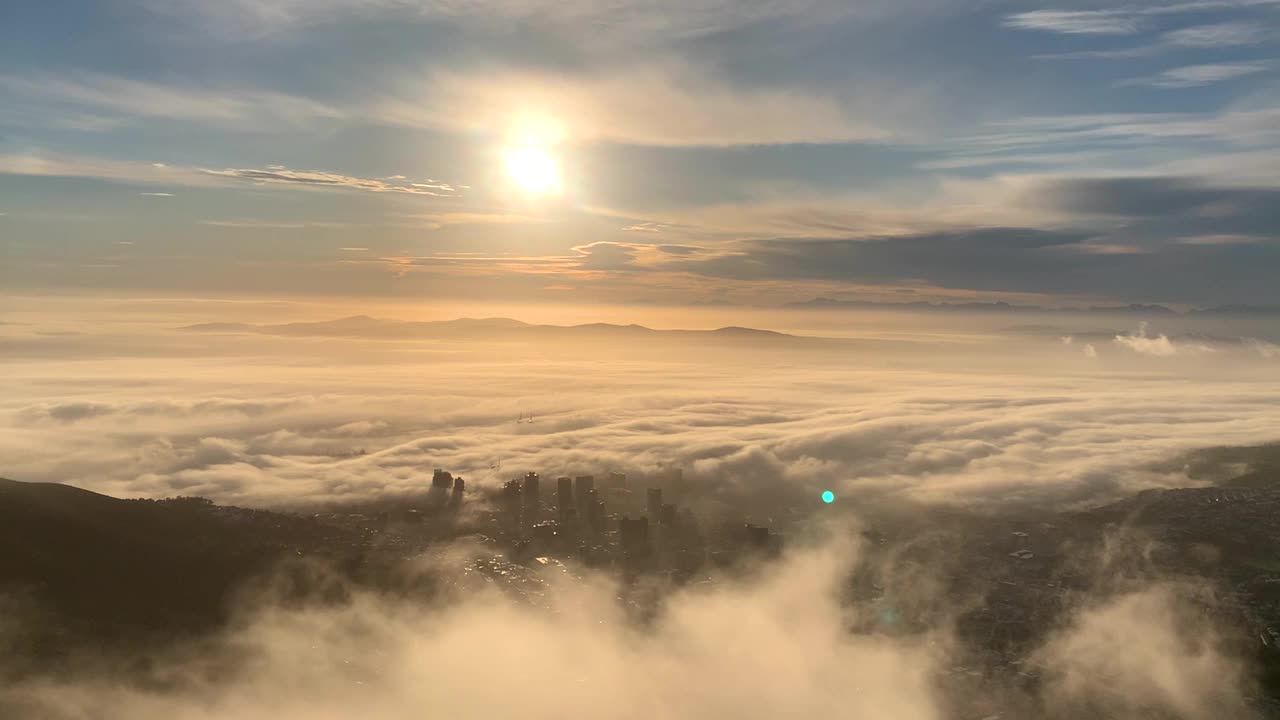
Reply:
x=824, y=303
x=365, y=326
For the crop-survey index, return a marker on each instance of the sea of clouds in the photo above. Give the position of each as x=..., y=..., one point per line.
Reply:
x=130, y=405
x=141, y=408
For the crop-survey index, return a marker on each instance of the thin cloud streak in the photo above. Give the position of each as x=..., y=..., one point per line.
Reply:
x=255, y=110
x=656, y=105
x=1197, y=75
x=281, y=174
x=1076, y=22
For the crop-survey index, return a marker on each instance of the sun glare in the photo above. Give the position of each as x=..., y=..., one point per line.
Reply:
x=534, y=169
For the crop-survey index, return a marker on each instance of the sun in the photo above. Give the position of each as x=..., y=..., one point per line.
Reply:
x=534, y=169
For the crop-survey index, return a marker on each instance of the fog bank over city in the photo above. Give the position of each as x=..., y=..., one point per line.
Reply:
x=777, y=642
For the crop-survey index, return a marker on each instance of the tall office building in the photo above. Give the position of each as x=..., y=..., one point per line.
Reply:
x=634, y=534
x=581, y=485
x=594, y=512
x=564, y=496
x=511, y=504
x=668, y=517
x=756, y=537
x=654, y=505
x=676, y=484
x=532, y=497
x=459, y=486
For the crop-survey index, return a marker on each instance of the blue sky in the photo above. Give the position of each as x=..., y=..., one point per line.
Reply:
x=747, y=152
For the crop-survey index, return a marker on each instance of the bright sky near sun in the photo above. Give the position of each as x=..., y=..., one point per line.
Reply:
x=703, y=152
x=534, y=168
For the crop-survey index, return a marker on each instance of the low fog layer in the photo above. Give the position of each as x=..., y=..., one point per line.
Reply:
x=773, y=645
x=975, y=413
x=928, y=408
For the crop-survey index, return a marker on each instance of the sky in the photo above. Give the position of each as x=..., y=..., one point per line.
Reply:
x=703, y=152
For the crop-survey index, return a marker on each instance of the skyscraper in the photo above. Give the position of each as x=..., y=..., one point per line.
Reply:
x=511, y=504
x=581, y=485
x=756, y=537
x=668, y=517
x=594, y=512
x=654, y=505
x=564, y=496
x=675, y=483
x=532, y=496
x=634, y=534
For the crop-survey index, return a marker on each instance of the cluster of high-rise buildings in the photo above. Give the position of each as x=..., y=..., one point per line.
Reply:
x=576, y=516
x=577, y=504
x=573, y=517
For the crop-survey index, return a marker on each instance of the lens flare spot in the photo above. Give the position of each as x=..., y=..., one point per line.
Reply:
x=828, y=497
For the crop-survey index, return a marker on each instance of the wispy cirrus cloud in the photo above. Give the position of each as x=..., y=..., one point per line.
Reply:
x=232, y=108
x=1196, y=75
x=53, y=164
x=1216, y=35
x=62, y=165
x=1076, y=22
x=1108, y=139
x=618, y=24
x=1132, y=19
x=1228, y=34
x=283, y=175
x=272, y=224
x=660, y=105
x=476, y=217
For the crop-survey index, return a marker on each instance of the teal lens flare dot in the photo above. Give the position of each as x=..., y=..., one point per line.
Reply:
x=828, y=496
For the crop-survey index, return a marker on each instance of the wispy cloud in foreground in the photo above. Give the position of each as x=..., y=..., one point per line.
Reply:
x=776, y=643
